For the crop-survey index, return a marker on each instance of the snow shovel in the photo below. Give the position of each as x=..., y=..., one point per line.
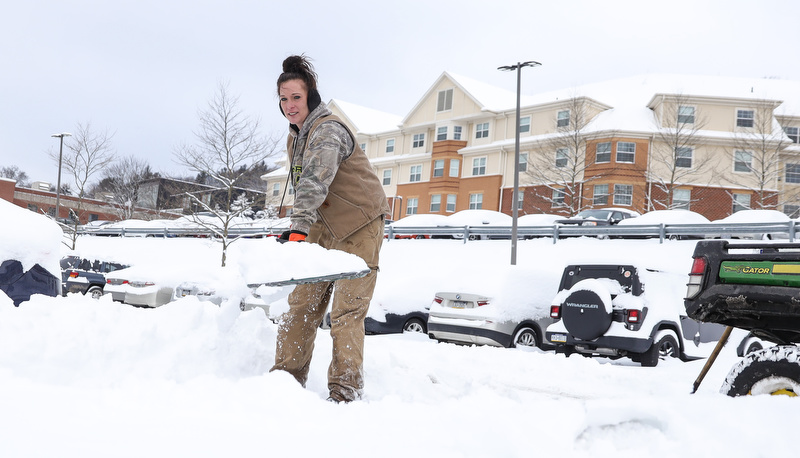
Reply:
x=712, y=357
x=315, y=279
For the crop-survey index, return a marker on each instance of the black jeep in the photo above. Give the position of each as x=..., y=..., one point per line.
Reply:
x=80, y=275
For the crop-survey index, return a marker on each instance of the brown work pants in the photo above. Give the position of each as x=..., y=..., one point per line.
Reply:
x=297, y=327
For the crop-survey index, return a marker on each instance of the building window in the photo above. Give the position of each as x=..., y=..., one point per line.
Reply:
x=454, y=166
x=742, y=161
x=363, y=147
x=681, y=198
x=561, y=157
x=390, y=146
x=626, y=151
x=683, y=157
x=33, y=208
x=523, y=162
x=482, y=130
x=445, y=101
x=419, y=141
x=436, y=203
x=600, y=194
x=623, y=194
x=479, y=166
x=520, y=199
x=475, y=201
x=793, y=133
x=416, y=173
x=741, y=202
x=276, y=189
x=387, y=177
x=685, y=115
x=793, y=173
x=603, y=152
x=525, y=124
x=451, y=203
x=558, y=197
x=456, y=132
x=441, y=134
x=745, y=118
x=412, y=205
x=793, y=211
x=438, y=168
x=562, y=119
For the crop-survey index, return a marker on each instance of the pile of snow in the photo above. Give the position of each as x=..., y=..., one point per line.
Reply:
x=170, y=262
x=676, y=216
x=756, y=216
x=478, y=218
x=421, y=220
x=99, y=379
x=29, y=237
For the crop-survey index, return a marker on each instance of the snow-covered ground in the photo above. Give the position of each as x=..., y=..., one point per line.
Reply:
x=89, y=378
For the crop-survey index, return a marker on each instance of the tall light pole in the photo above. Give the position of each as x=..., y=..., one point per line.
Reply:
x=58, y=185
x=515, y=196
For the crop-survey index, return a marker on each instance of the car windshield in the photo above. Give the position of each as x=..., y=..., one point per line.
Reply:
x=596, y=214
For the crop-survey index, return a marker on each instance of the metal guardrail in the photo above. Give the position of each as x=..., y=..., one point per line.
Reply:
x=780, y=230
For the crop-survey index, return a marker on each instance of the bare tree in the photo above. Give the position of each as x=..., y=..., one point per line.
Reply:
x=14, y=173
x=559, y=163
x=757, y=153
x=673, y=160
x=87, y=153
x=121, y=182
x=228, y=145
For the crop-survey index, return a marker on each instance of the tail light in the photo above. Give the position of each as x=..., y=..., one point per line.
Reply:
x=633, y=315
x=696, y=277
x=73, y=274
x=481, y=303
x=555, y=311
x=438, y=299
x=698, y=266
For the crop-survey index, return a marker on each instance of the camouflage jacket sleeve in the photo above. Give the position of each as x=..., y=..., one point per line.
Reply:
x=328, y=146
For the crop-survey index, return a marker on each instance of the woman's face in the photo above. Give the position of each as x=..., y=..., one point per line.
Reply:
x=294, y=101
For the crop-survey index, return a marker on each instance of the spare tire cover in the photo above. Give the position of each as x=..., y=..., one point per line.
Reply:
x=587, y=310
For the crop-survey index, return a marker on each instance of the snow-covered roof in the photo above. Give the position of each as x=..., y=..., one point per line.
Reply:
x=366, y=120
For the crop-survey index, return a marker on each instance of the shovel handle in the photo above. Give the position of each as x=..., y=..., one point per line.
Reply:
x=712, y=357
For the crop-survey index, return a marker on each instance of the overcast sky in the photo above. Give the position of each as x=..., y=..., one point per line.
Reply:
x=141, y=69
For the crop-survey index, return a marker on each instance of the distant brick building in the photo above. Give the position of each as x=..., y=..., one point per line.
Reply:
x=40, y=201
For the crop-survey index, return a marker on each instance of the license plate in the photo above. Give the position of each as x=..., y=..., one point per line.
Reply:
x=459, y=304
x=558, y=338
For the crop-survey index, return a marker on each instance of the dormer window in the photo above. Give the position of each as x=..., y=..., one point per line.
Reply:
x=445, y=101
x=685, y=115
x=562, y=119
x=745, y=118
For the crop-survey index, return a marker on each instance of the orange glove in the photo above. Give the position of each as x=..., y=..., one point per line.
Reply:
x=292, y=236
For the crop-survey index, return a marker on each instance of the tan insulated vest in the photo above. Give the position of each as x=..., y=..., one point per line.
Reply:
x=355, y=197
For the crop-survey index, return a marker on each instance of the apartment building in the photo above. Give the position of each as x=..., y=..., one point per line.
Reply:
x=714, y=145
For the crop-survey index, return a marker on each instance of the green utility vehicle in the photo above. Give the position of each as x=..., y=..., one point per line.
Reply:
x=756, y=287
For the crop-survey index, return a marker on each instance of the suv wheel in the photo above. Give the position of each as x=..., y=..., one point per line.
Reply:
x=95, y=292
x=414, y=325
x=665, y=345
x=774, y=370
x=587, y=310
x=525, y=337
